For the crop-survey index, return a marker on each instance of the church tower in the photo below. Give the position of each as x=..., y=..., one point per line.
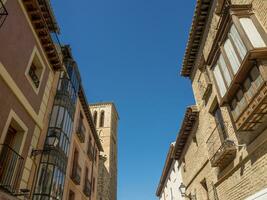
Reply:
x=106, y=119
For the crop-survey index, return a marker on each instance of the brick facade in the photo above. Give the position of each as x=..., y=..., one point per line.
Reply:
x=245, y=173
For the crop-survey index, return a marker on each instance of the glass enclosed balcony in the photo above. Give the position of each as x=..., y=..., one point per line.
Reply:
x=239, y=68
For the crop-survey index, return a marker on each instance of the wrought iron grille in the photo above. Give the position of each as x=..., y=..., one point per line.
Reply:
x=11, y=165
x=76, y=173
x=34, y=77
x=220, y=147
x=3, y=13
x=216, y=139
x=87, y=188
x=81, y=132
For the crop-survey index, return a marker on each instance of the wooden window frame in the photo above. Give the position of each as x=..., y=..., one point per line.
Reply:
x=236, y=13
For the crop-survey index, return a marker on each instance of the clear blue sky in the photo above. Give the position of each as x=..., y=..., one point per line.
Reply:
x=130, y=52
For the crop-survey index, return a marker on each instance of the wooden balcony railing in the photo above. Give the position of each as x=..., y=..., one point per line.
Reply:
x=87, y=188
x=76, y=174
x=81, y=132
x=254, y=110
x=11, y=166
x=221, y=151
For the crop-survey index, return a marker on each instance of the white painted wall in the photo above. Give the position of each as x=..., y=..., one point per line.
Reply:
x=171, y=186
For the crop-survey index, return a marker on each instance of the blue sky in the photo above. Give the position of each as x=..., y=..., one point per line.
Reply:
x=130, y=52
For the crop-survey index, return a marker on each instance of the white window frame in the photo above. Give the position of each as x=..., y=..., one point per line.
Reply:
x=35, y=54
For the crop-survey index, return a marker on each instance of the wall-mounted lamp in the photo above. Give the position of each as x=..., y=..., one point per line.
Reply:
x=182, y=189
x=51, y=141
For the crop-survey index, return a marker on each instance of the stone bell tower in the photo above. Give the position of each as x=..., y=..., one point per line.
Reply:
x=106, y=119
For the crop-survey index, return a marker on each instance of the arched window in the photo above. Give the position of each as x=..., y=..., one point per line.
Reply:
x=95, y=117
x=102, y=117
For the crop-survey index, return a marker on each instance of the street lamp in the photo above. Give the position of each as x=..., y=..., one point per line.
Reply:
x=52, y=141
x=182, y=189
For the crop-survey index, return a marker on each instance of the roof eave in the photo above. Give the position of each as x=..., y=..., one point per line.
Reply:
x=201, y=14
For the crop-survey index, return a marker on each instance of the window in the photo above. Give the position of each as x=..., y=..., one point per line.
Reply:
x=11, y=161
x=252, y=32
x=232, y=55
x=219, y=79
x=95, y=118
x=102, y=118
x=184, y=165
x=93, y=186
x=243, y=36
x=71, y=195
x=220, y=123
x=35, y=71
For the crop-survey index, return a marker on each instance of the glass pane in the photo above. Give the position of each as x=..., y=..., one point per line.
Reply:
x=252, y=32
x=241, y=48
x=225, y=71
x=219, y=80
x=54, y=116
x=231, y=54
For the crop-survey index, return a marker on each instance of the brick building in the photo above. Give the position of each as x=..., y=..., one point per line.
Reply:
x=221, y=146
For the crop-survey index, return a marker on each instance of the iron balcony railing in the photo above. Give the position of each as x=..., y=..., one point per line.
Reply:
x=3, y=13
x=11, y=165
x=76, y=174
x=90, y=152
x=87, y=188
x=81, y=132
x=34, y=77
x=220, y=148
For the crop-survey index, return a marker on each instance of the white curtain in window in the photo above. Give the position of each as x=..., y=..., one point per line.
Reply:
x=241, y=48
x=219, y=80
x=252, y=32
x=231, y=54
x=225, y=70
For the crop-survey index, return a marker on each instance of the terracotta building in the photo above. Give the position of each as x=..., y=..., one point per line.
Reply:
x=45, y=119
x=223, y=151
x=28, y=79
x=106, y=118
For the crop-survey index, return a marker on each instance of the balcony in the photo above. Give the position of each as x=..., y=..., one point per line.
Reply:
x=87, y=188
x=11, y=166
x=3, y=13
x=90, y=152
x=76, y=174
x=253, y=112
x=81, y=132
x=221, y=151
